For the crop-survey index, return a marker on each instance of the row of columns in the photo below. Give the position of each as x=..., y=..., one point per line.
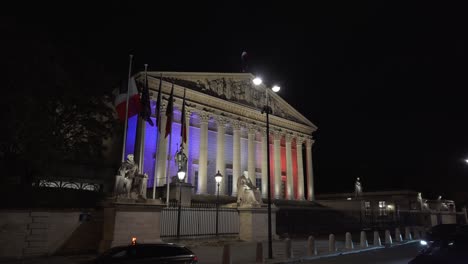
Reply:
x=221, y=122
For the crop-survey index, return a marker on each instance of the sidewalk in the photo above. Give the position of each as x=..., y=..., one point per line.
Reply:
x=210, y=251
x=245, y=252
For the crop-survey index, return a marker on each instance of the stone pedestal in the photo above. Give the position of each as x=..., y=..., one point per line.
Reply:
x=254, y=223
x=126, y=218
x=174, y=190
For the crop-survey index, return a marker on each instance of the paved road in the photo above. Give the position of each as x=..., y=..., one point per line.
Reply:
x=396, y=255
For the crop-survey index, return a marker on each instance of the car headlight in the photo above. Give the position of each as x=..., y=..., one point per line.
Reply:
x=423, y=242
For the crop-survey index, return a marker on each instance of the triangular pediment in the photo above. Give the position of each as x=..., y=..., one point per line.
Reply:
x=236, y=88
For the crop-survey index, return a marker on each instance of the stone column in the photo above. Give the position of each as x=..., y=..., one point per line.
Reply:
x=300, y=168
x=289, y=169
x=277, y=165
x=203, y=158
x=264, y=165
x=251, y=154
x=161, y=152
x=140, y=144
x=310, y=171
x=236, y=159
x=220, y=157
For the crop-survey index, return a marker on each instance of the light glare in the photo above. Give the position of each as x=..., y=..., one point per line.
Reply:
x=276, y=88
x=257, y=81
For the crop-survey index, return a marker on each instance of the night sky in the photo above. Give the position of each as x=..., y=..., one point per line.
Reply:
x=386, y=82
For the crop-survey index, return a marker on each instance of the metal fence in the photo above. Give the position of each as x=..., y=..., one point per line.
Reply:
x=199, y=220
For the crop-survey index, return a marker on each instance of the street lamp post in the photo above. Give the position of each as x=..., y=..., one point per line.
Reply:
x=180, y=155
x=218, y=178
x=267, y=110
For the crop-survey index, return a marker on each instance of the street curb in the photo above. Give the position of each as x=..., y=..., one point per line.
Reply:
x=347, y=252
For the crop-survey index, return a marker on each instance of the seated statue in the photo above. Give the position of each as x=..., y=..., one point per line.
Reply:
x=129, y=183
x=248, y=195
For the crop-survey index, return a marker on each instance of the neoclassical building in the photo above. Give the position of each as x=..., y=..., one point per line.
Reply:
x=227, y=132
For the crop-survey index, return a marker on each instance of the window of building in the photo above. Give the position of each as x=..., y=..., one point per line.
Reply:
x=382, y=208
x=229, y=184
x=367, y=208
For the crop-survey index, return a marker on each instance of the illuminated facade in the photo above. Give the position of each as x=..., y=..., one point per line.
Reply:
x=227, y=132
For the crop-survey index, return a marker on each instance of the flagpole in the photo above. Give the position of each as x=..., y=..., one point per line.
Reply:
x=126, y=107
x=158, y=133
x=168, y=165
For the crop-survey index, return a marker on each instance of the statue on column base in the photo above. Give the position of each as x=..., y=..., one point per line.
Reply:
x=248, y=195
x=129, y=183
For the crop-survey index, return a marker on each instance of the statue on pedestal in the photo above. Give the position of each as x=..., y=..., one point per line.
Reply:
x=248, y=195
x=129, y=183
x=357, y=188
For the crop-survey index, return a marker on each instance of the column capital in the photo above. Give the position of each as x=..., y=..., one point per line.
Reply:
x=220, y=120
x=299, y=139
x=309, y=142
x=252, y=129
x=188, y=112
x=277, y=134
x=204, y=117
x=236, y=124
x=288, y=137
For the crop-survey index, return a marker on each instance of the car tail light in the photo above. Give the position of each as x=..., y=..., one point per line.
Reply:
x=195, y=259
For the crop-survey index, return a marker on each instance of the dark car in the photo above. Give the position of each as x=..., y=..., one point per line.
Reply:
x=442, y=231
x=447, y=247
x=148, y=253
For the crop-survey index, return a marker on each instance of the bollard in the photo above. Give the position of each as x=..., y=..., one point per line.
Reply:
x=331, y=243
x=289, y=253
x=377, y=242
x=363, y=241
x=417, y=235
x=349, y=241
x=311, y=250
x=398, y=237
x=227, y=255
x=423, y=233
x=388, y=238
x=408, y=236
x=259, y=255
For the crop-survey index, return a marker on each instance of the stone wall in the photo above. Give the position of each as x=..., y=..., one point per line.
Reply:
x=25, y=233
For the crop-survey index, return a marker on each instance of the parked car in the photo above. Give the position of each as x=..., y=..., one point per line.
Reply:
x=445, y=247
x=164, y=253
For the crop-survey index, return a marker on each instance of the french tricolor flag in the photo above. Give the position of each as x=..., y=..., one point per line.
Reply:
x=134, y=104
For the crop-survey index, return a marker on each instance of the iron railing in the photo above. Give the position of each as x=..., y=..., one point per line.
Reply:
x=199, y=220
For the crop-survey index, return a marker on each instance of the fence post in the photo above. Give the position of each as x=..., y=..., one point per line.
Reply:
x=311, y=250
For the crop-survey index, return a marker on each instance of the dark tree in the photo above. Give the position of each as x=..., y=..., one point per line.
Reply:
x=57, y=109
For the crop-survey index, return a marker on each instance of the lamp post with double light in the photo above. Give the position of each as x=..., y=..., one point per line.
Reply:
x=267, y=110
x=218, y=178
x=181, y=159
